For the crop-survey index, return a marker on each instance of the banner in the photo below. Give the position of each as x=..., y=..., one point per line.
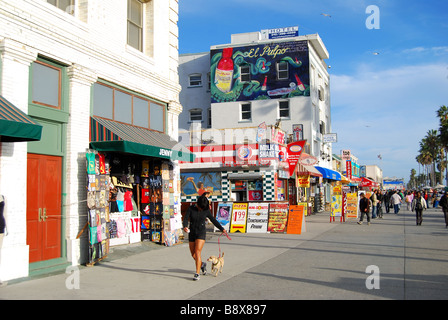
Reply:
x=294, y=150
x=296, y=219
x=278, y=217
x=223, y=215
x=239, y=216
x=257, y=218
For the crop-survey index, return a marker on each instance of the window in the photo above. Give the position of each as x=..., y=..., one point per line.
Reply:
x=123, y=106
x=46, y=86
x=195, y=115
x=245, y=73
x=195, y=80
x=209, y=118
x=282, y=70
x=66, y=5
x=283, y=109
x=246, y=113
x=135, y=24
x=322, y=127
x=321, y=94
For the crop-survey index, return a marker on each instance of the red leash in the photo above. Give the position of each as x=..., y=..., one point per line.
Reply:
x=219, y=244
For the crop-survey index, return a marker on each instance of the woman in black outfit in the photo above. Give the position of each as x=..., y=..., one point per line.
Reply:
x=196, y=215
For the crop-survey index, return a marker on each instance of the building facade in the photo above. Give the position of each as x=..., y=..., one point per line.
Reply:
x=72, y=65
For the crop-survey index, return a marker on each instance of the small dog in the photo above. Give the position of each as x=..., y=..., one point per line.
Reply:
x=217, y=263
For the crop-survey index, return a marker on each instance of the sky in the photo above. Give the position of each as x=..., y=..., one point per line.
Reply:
x=388, y=76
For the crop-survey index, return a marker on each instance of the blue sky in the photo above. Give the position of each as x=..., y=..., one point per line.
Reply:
x=381, y=103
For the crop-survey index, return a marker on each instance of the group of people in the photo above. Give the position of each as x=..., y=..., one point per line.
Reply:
x=415, y=201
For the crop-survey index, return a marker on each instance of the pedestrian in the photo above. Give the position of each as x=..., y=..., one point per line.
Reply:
x=396, y=201
x=409, y=198
x=197, y=214
x=444, y=204
x=387, y=196
x=374, y=200
x=419, y=204
x=379, y=209
x=364, y=207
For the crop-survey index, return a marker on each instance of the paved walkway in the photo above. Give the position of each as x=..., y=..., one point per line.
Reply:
x=328, y=261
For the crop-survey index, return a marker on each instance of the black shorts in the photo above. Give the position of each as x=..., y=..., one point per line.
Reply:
x=192, y=237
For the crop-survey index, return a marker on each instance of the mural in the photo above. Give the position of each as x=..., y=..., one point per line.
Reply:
x=266, y=71
x=196, y=183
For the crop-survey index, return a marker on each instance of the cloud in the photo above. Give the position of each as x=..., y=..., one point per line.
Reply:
x=387, y=111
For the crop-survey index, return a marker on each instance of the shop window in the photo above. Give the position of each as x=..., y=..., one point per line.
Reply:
x=65, y=5
x=135, y=24
x=246, y=111
x=46, y=84
x=195, y=80
x=282, y=70
x=283, y=109
x=124, y=106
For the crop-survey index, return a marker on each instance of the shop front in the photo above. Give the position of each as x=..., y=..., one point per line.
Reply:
x=330, y=179
x=132, y=191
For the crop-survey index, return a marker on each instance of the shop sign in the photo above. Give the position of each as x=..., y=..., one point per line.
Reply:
x=294, y=151
x=257, y=217
x=303, y=181
x=239, y=216
x=278, y=217
x=268, y=151
x=296, y=219
x=223, y=214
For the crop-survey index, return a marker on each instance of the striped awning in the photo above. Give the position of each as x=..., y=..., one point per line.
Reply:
x=111, y=136
x=15, y=125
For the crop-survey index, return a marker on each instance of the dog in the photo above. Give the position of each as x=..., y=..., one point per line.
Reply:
x=217, y=264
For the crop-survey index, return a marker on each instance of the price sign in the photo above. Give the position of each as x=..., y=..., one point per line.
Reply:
x=239, y=216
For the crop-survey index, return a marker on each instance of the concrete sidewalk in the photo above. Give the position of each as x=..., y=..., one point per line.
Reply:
x=328, y=261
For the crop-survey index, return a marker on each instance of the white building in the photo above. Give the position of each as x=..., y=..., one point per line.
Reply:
x=61, y=64
x=254, y=80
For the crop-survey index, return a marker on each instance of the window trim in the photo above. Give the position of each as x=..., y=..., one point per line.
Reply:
x=279, y=71
x=140, y=28
x=191, y=111
x=280, y=109
x=245, y=74
x=57, y=68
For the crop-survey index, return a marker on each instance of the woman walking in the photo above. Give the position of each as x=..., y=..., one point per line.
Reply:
x=418, y=204
x=197, y=231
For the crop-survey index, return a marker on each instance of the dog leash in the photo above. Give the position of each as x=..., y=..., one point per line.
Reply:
x=219, y=244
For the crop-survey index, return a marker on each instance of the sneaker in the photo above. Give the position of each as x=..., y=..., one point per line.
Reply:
x=196, y=277
x=204, y=268
x=368, y=223
x=359, y=222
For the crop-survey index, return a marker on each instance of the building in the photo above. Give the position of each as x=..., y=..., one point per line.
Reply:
x=245, y=101
x=86, y=72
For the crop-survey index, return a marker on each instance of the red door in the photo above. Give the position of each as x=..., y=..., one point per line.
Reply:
x=44, y=207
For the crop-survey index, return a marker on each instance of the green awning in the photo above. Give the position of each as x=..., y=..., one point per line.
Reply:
x=111, y=136
x=15, y=125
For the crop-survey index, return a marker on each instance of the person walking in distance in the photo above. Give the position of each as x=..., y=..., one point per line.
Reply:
x=419, y=204
x=374, y=200
x=396, y=201
x=444, y=204
x=364, y=207
x=196, y=215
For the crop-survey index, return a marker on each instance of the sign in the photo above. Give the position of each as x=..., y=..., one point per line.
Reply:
x=294, y=150
x=261, y=132
x=348, y=169
x=346, y=155
x=279, y=33
x=297, y=132
x=351, y=209
x=296, y=219
x=303, y=181
x=239, y=216
x=308, y=160
x=278, y=217
x=336, y=202
x=257, y=217
x=330, y=138
x=268, y=151
x=223, y=215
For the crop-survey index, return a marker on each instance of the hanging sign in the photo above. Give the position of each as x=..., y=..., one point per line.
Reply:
x=294, y=150
x=239, y=216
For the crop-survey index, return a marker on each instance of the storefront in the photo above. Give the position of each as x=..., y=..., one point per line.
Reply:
x=133, y=194
x=330, y=177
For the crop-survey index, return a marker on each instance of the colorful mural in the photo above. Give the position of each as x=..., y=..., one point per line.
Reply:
x=196, y=183
x=266, y=71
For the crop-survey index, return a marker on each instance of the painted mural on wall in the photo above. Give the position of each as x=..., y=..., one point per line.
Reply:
x=196, y=183
x=267, y=71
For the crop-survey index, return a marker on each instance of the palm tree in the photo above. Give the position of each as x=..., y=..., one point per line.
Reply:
x=442, y=114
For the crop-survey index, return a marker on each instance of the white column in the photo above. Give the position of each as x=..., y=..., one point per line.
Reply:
x=14, y=78
x=80, y=83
